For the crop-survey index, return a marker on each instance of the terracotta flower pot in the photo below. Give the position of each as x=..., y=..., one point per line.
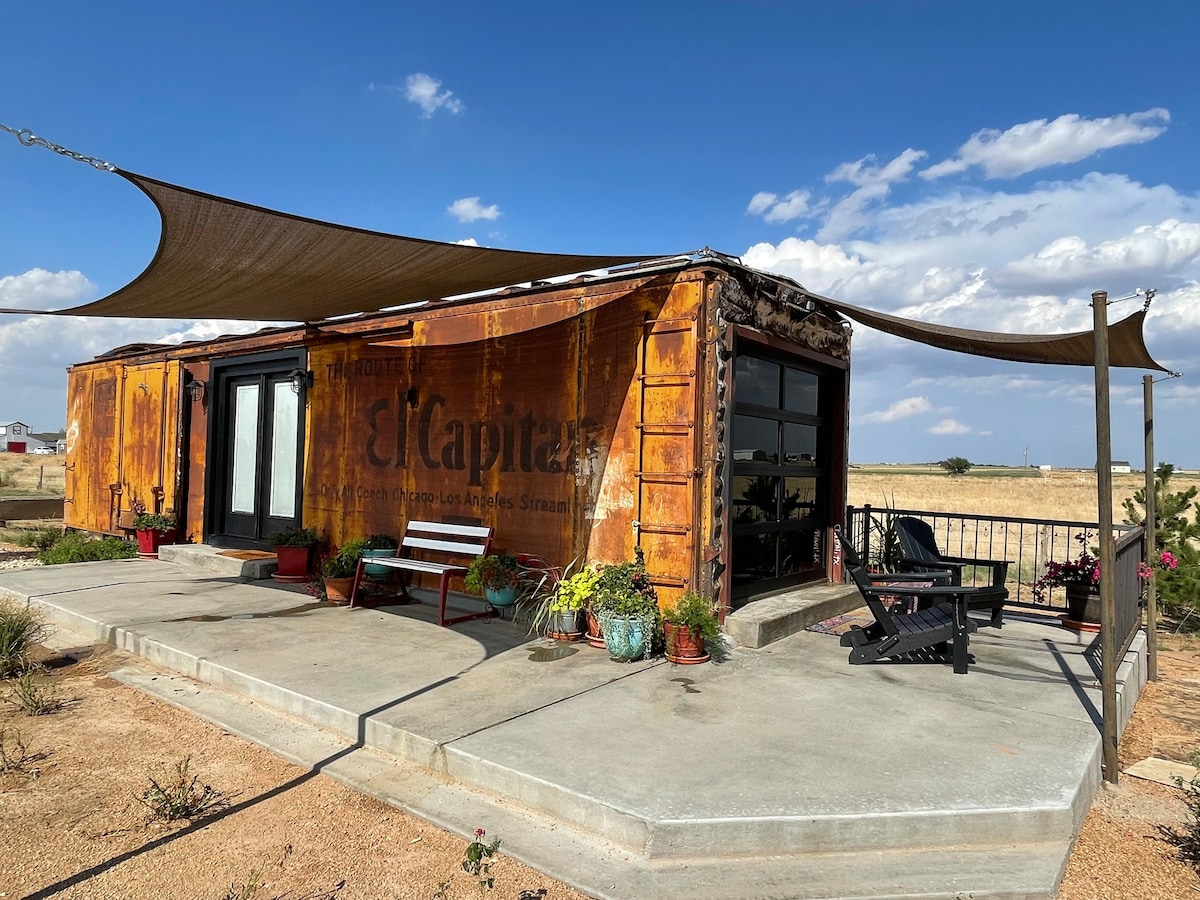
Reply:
x=337, y=590
x=685, y=646
x=595, y=633
x=150, y=539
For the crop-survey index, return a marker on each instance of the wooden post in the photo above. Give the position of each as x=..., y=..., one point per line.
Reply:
x=1108, y=639
x=1151, y=523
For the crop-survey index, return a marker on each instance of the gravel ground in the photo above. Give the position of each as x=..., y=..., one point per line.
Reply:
x=72, y=826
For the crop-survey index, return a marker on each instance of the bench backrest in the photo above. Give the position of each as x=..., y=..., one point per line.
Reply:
x=443, y=537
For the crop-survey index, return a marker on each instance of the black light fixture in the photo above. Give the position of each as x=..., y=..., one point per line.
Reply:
x=196, y=389
x=302, y=380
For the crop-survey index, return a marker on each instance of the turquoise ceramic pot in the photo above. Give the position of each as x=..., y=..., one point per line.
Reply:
x=502, y=597
x=625, y=639
x=376, y=571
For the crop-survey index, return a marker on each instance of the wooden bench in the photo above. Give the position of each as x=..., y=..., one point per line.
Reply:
x=433, y=548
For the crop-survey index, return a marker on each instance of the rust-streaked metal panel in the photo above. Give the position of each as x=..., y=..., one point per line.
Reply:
x=147, y=439
x=195, y=449
x=92, y=449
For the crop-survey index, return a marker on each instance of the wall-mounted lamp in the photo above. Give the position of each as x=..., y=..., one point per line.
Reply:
x=302, y=380
x=196, y=389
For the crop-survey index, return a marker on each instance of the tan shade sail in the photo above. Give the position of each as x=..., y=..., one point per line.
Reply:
x=223, y=259
x=1125, y=345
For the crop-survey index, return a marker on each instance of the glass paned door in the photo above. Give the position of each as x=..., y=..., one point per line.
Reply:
x=260, y=427
x=779, y=483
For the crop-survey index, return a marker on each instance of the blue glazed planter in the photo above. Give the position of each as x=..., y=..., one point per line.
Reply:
x=502, y=597
x=625, y=639
x=374, y=570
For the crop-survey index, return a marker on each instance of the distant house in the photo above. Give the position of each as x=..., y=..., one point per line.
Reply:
x=54, y=440
x=15, y=437
x=1121, y=467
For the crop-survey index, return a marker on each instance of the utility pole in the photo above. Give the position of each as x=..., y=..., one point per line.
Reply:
x=1027, y=457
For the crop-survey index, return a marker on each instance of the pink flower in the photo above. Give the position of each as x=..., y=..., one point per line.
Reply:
x=1167, y=560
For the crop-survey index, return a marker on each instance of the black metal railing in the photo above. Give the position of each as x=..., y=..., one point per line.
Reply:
x=1028, y=544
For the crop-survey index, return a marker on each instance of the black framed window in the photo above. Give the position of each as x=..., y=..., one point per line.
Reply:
x=779, y=481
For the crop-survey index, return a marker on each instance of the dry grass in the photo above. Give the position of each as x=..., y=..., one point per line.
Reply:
x=25, y=473
x=1062, y=494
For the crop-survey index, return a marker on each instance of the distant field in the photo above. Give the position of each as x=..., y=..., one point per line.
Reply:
x=995, y=491
x=23, y=474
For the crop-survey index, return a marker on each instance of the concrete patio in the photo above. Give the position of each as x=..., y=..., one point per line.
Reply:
x=782, y=772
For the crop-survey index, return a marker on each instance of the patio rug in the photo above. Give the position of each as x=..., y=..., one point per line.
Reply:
x=843, y=623
x=246, y=554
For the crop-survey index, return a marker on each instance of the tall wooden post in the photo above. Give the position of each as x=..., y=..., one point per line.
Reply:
x=1108, y=612
x=1151, y=522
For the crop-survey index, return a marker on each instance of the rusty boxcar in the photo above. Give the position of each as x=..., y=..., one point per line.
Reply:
x=692, y=407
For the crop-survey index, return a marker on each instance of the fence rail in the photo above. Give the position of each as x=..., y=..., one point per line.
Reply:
x=1028, y=544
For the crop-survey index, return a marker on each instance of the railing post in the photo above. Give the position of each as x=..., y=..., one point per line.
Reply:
x=866, y=534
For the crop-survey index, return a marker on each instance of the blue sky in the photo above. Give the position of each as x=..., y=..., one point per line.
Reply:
x=976, y=164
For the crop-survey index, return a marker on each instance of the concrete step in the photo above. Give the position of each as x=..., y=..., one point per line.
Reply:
x=773, y=618
x=253, y=565
x=1029, y=870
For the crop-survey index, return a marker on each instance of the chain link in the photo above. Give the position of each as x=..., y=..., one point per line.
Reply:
x=29, y=139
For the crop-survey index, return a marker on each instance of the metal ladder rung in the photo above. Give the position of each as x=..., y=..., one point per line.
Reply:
x=666, y=477
x=664, y=427
x=663, y=528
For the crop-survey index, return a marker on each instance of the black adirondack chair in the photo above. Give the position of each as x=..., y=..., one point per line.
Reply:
x=943, y=623
x=919, y=553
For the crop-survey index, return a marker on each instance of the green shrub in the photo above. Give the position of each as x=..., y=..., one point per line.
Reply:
x=75, y=547
x=1178, y=589
x=20, y=628
x=343, y=561
x=180, y=798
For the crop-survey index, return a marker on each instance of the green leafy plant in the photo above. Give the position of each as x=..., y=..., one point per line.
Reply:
x=154, y=522
x=20, y=628
x=1177, y=587
x=624, y=589
x=695, y=612
x=496, y=571
x=342, y=562
x=181, y=797
x=477, y=863
x=295, y=537
x=76, y=547
x=380, y=542
x=554, y=592
x=33, y=696
x=956, y=465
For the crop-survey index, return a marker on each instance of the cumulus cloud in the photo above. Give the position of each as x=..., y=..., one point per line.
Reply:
x=426, y=91
x=901, y=409
x=873, y=184
x=950, y=426
x=468, y=242
x=469, y=209
x=774, y=209
x=1041, y=143
x=40, y=289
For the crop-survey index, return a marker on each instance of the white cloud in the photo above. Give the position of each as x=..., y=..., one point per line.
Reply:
x=1040, y=143
x=469, y=209
x=425, y=91
x=901, y=409
x=773, y=209
x=873, y=185
x=40, y=289
x=950, y=426
x=468, y=242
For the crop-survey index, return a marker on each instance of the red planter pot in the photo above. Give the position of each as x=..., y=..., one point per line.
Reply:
x=150, y=539
x=595, y=634
x=685, y=646
x=293, y=564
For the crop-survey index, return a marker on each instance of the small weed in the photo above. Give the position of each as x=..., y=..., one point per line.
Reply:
x=34, y=697
x=1187, y=841
x=74, y=547
x=477, y=863
x=15, y=755
x=249, y=890
x=246, y=890
x=20, y=628
x=181, y=798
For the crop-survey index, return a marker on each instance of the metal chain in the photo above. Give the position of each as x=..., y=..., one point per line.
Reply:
x=29, y=139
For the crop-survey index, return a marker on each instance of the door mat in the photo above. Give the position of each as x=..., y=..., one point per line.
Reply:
x=843, y=623
x=246, y=554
